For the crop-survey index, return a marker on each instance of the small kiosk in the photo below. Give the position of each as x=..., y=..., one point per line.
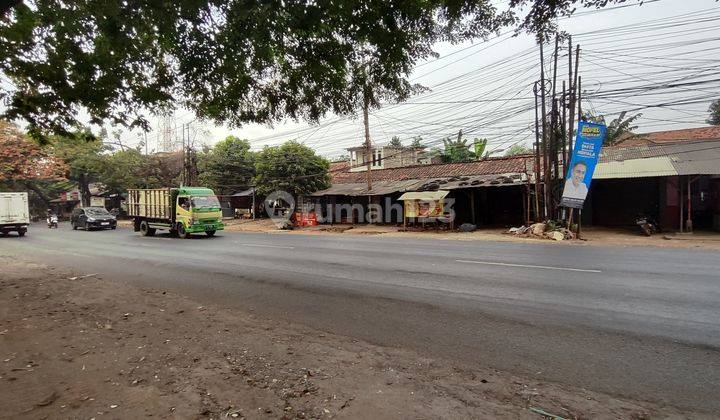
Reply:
x=426, y=206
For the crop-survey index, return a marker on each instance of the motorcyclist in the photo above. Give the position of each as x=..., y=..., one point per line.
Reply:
x=51, y=218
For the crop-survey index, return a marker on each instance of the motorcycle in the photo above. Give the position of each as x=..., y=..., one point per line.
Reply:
x=52, y=222
x=647, y=225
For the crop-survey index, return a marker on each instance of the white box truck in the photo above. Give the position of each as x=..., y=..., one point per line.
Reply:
x=14, y=213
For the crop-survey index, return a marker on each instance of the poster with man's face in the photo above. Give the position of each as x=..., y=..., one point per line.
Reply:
x=589, y=140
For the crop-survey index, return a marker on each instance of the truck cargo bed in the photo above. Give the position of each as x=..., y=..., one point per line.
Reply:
x=156, y=204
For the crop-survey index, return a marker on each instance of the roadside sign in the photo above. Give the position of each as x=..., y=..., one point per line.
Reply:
x=589, y=141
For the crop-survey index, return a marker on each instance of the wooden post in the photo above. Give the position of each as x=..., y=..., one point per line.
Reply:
x=253, y=204
x=579, y=223
x=538, y=216
x=368, y=145
x=689, y=224
x=564, y=138
x=543, y=115
x=472, y=205
x=682, y=203
x=579, y=99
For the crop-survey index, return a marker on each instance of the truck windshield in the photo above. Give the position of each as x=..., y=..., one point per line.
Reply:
x=205, y=202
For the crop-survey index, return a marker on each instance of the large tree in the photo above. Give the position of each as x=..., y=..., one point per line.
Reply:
x=227, y=166
x=24, y=165
x=290, y=167
x=230, y=61
x=22, y=160
x=86, y=158
x=123, y=169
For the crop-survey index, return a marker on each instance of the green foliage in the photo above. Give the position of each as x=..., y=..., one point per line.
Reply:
x=455, y=151
x=714, y=110
x=459, y=149
x=84, y=158
x=231, y=62
x=518, y=149
x=479, y=147
x=291, y=167
x=124, y=169
x=620, y=128
x=395, y=142
x=417, y=143
x=228, y=166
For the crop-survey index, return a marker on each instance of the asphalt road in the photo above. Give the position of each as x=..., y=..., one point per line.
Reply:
x=642, y=323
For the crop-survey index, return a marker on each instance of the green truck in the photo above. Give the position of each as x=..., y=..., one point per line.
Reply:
x=183, y=211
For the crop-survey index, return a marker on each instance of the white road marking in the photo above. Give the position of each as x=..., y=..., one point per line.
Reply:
x=530, y=266
x=267, y=246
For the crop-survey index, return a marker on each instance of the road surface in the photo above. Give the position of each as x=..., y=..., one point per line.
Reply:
x=641, y=323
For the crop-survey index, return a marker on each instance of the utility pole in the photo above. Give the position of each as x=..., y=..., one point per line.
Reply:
x=543, y=113
x=183, y=177
x=146, y=154
x=368, y=145
x=538, y=217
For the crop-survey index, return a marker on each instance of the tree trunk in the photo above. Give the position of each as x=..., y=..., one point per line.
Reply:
x=84, y=185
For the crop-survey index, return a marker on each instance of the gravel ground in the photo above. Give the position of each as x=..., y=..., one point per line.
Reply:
x=77, y=345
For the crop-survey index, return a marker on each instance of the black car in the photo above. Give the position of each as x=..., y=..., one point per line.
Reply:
x=92, y=218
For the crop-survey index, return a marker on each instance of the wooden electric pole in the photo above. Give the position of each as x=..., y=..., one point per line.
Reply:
x=368, y=145
x=543, y=116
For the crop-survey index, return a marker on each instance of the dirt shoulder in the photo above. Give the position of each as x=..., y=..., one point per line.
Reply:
x=591, y=236
x=77, y=345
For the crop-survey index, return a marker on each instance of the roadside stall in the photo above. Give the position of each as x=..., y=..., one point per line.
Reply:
x=425, y=207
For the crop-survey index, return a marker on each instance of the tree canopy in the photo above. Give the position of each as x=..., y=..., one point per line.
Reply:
x=290, y=167
x=395, y=142
x=620, y=127
x=22, y=160
x=227, y=166
x=714, y=109
x=518, y=149
x=231, y=62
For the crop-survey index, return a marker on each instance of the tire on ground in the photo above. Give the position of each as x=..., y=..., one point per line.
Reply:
x=145, y=229
x=182, y=233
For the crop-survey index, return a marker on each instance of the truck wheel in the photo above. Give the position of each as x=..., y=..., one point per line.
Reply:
x=210, y=233
x=21, y=233
x=146, y=230
x=182, y=233
x=74, y=226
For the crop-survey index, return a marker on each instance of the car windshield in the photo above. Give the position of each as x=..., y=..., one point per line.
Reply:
x=204, y=202
x=96, y=211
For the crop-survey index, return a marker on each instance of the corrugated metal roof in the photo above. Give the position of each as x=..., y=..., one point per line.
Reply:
x=635, y=168
x=615, y=153
x=695, y=158
x=424, y=195
x=378, y=188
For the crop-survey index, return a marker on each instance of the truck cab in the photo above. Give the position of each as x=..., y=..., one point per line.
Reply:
x=197, y=210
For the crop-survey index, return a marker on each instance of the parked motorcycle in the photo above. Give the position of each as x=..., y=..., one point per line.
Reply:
x=647, y=225
x=52, y=222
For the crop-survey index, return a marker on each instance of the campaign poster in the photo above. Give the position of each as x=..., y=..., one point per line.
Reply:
x=588, y=142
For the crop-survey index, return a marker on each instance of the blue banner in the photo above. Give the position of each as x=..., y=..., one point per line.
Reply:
x=589, y=141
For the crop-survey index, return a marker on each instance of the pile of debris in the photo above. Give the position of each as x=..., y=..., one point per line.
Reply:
x=543, y=230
